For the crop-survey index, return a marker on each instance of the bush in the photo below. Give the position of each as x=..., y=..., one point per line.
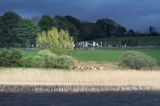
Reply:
x=137, y=60
x=16, y=54
x=4, y=57
x=45, y=53
x=26, y=62
x=10, y=57
x=46, y=59
x=64, y=62
x=38, y=62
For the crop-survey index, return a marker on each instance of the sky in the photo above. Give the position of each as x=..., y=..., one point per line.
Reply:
x=133, y=14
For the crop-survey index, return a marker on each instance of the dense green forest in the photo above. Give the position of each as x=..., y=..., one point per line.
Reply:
x=16, y=31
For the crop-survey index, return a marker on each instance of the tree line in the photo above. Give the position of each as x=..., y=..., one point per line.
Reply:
x=16, y=31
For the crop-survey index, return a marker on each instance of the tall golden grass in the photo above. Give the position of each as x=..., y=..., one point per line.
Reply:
x=23, y=76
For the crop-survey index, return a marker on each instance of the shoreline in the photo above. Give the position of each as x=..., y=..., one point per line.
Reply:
x=71, y=88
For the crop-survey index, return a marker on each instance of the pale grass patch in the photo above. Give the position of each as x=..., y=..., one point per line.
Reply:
x=51, y=77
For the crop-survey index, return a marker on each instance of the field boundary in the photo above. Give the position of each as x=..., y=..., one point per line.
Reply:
x=110, y=48
x=11, y=88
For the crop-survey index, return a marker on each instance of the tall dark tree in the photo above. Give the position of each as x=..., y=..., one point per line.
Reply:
x=1, y=31
x=63, y=23
x=46, y=23
x=120, y=31
x=88, y=31
x=131, y=32
x=152, y=31
x=27, y=33
x=10, y=21
x=76, y=22
x=107, y=25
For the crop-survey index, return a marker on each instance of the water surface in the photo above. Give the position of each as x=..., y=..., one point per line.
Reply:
x=81, y=99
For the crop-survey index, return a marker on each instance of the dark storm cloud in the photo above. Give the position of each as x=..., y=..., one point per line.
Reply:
x=137, y=14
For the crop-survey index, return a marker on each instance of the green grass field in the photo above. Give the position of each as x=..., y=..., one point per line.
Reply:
x=110, y=55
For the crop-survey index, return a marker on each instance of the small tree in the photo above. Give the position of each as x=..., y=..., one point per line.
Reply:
x=58, y=42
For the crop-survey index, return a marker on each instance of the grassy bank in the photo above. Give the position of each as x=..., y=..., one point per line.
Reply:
x=110, y=55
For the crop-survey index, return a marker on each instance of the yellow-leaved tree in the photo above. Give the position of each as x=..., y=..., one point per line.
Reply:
x=58, y=42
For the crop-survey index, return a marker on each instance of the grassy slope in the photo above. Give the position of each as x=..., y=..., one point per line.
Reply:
x=111, y=55
x=98, y=55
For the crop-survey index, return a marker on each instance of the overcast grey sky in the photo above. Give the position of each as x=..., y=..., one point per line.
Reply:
x=136, y=14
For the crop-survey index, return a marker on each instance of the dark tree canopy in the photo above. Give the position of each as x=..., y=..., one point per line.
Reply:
x=1, y=31
x=131, y=32
x=10, y=21
x=63, y=23
x=120, y=31
x=15, y=31
x=27, y=33
x=152, y=31
x=46, y=23
x=76, y=22
x=18, y=32
x=107, y=25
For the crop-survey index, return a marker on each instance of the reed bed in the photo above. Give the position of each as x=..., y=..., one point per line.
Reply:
x=70, y=80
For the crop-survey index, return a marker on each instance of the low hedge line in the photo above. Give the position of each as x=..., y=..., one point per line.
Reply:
x=44, y=59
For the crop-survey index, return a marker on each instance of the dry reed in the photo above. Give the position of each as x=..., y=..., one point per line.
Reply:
x=48, y=77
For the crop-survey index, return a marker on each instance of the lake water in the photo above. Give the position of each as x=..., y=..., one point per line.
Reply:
x=81, y=99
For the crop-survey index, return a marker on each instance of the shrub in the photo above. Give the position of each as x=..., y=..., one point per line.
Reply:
x=4, y=57
x=10, y=57
x=38, y=62
x=137, y=60
x=46, y=54
x=46, y=59
x=64, y=62
x=16, y=54
x=26, y=62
